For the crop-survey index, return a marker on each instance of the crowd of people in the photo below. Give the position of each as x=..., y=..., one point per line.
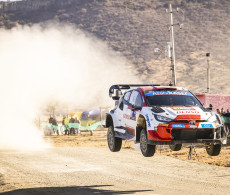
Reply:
x=225, y=115
x=66, y=121
x=222, y=112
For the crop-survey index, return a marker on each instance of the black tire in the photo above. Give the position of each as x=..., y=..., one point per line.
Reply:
x=213, y=149
x=114, y=143
x=146, y=149
x=175, y=147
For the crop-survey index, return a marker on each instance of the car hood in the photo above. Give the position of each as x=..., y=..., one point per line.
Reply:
x=184, y=113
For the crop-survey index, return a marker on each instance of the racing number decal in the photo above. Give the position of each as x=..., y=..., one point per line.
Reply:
x=206, y=125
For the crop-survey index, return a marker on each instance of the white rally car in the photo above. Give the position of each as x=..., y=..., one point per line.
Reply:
x=162, y=115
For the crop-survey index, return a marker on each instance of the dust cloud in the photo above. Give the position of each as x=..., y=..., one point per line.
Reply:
x=52, y=63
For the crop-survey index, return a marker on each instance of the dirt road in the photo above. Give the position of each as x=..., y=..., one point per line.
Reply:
x=91, y=170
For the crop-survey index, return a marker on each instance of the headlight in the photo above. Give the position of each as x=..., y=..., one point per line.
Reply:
x=162, y=118
x=213, y=119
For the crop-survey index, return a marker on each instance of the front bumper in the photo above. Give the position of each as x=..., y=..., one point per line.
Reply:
x=201, y=141
x=174, y=133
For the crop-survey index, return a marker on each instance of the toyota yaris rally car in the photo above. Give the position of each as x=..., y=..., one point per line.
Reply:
x=161, y=115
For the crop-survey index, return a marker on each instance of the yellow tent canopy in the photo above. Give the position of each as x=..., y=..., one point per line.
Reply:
x=75, y=114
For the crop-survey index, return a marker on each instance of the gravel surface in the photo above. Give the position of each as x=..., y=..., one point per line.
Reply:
x=94, y=170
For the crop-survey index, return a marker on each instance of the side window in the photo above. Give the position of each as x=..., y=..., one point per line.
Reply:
x=126, y=97
x=136, y=99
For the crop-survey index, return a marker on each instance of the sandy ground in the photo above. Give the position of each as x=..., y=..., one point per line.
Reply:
x=99, y=140
x=84, y=165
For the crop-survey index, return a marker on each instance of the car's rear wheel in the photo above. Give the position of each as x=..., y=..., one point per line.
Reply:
x=175, y=147
x=114, y=143
x=213, y=149
x=146, y=149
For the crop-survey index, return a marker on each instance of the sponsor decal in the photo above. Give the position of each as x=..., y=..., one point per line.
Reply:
x=206, y=125
x=126, y=116
x=193, y=126
x=130, y=117
x=134, y=115
x=163, y=124
x=168, y=93
x=148, y=121
x=187, y=112
x=182, y=108
x=178, y=126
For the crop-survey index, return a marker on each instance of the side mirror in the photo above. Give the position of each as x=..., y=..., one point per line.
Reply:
x=210, y=107
x=115, y=97
x=135, y=108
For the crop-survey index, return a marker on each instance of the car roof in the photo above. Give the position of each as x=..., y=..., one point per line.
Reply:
x=155, y=88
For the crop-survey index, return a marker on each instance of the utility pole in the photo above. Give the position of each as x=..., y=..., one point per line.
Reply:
x=208, y=73
x=173, y=57
x=172, y=45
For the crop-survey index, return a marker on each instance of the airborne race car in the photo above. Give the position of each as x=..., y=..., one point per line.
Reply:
x=162, y=115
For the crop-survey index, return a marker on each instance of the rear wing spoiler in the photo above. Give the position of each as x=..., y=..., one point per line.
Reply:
x=117, y=89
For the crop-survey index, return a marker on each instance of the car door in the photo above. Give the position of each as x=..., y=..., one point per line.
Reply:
x=130, y=120
x=119, y=113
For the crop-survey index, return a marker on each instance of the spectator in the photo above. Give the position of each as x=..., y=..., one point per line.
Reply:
x=218, y=111
x=51, y=119
x=54, y=122
x=77, y=121
x=55, y=126
x=227, y=121
x=66, y=123
x=170, y=83
x=72, y=130
x=63, y=122
x=222, y=111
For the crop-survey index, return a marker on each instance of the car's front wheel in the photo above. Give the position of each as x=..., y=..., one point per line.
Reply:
x=213, y=149
x=114, y=143
x=146, y=149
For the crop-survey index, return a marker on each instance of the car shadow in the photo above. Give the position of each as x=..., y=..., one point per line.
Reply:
x=69, y=190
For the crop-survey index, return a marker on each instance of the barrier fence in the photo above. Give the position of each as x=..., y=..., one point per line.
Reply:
x=91, y=127
x=225, y=119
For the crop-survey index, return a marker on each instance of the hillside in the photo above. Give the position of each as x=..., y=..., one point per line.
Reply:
x=135, y=28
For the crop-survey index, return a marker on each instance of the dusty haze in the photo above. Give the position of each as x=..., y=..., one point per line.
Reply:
x=51, y=63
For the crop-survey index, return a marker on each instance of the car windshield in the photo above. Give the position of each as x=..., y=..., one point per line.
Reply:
x=167, y=98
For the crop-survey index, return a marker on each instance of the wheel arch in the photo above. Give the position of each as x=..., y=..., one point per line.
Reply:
x=109, y=120
x=141, y=124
